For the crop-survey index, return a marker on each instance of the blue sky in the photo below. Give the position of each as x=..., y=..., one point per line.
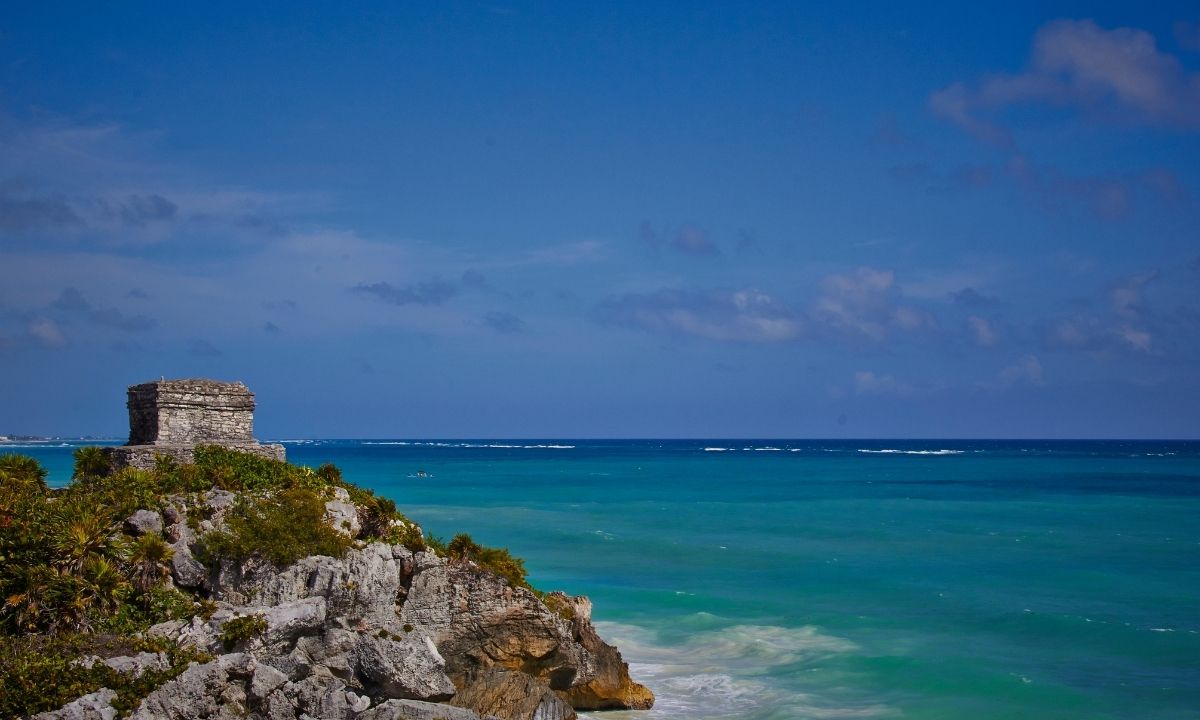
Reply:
x=610, y=220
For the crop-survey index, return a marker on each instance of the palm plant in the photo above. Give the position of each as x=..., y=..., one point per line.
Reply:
x=82, y=533
x=105, y=585
x=91, y=462
x=148, y=563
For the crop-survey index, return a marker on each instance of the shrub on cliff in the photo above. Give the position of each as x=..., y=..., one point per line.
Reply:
x=43, y=673
x=496, y=560
x=90, y=462
x=283, y=528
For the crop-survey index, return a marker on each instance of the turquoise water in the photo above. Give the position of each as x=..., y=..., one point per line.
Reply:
x=843, y=579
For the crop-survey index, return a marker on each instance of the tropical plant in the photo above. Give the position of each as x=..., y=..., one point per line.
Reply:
x=91, y=462
x=148, y=560
x=82, y=533
x=496, y=560
x=283, y=528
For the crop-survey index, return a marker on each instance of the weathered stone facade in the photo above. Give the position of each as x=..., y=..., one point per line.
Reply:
x=171, y=417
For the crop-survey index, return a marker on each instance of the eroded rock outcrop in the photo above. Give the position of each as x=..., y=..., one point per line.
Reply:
x=380, y=632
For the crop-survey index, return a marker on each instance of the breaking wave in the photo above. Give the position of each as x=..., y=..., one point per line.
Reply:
x=728, y=672
x=892, y=451
x=498, y=446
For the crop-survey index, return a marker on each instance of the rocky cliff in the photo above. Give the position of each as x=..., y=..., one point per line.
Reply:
x=380, y=632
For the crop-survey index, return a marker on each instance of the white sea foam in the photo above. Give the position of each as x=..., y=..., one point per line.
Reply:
x=717, y=449
x=892, y=451
x=727, y=672
x=499, y=446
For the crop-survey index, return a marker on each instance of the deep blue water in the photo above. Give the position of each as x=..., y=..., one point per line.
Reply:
x=842, y=579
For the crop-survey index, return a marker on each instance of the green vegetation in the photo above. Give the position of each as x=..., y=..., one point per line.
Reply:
x=39, y=673
x=283, y=527
x=73, y=583
x=240, y=629
x=498, y=561
x=65, y=565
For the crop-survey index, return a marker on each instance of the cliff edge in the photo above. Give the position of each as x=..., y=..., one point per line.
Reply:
x=292, y=595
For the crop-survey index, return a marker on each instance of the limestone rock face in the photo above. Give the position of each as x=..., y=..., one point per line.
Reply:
x=478, y=620
x=96, y=706
x=379, y=633
x=212, y=690
x=409, y=667
x=416, y=710
x=481, y=623
x=137, y=665
x=508, y=694
x=610, y=688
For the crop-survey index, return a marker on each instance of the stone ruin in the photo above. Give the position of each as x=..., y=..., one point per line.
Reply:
x=172, y=417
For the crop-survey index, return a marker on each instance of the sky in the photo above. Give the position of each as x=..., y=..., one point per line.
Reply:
x=421, y=220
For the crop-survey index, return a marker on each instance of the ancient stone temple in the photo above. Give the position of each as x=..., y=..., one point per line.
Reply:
x=172, y=417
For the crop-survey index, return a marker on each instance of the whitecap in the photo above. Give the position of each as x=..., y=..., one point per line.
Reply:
x=893, y=451
x=726, y=672
x=716, y=449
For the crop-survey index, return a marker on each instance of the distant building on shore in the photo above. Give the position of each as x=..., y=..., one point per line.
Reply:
x=172, y=417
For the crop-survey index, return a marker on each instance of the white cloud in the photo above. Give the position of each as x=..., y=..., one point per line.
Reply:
x=47, y=332
x=867, y=382
x=1027, y=370
x=1119, y=72
x=863, y=304
x=746, y=315
x=985, y=335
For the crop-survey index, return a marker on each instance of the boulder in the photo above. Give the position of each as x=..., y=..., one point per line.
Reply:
x=417, y=710
x=264, y=681
x=610, y=687
x=186, y=570
x=294, y=619
x=200, y=691
x=405, y=667
x=511, y=695
x=137, y=665
x=478, y=620
x=343, y=515
x=95, y=706
x=144, y=522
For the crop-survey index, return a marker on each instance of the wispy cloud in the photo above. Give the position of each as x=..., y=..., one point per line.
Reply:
x=745, y=315
x=693, y=241
x=969, y=297
x=1118, y=74
x=1129, y=323
x=203, y=348
x=111, y=317
x=863, y=304
x=71, y=301
x=504, y=322
x=47, y=333
x=1026, y=370
x=430, y=292
x=687, y=240
x=983, y=332
x=868, y=382
x=22, y=211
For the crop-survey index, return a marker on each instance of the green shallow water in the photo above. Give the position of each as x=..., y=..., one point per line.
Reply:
x=951, y=580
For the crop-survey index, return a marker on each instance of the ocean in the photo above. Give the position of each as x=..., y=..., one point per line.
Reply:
x=772, y=579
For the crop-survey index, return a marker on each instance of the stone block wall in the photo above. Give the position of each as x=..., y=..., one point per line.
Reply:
x=171, y=412
x=171, y=417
